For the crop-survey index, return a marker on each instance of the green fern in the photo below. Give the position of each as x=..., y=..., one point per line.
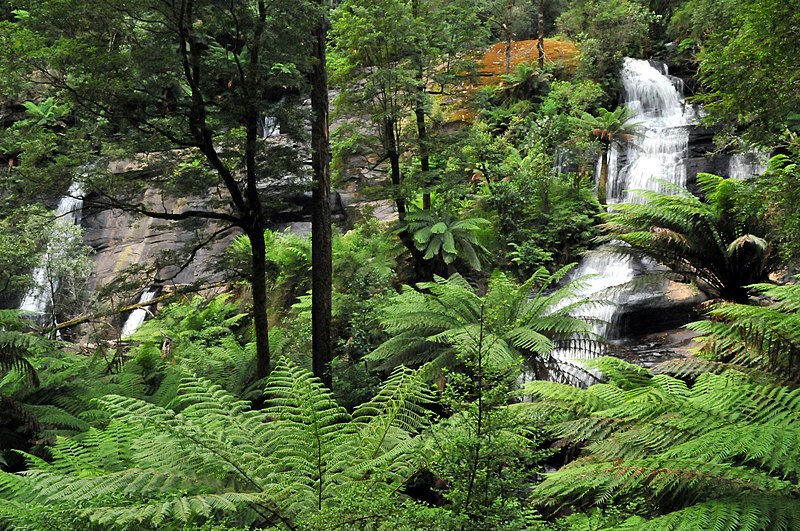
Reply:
x=716, y=242
x=723, y=450
x=449, y=319
x=210, y=457
x=760, y=338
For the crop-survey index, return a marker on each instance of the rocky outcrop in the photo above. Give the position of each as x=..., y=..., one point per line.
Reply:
x=672, y=305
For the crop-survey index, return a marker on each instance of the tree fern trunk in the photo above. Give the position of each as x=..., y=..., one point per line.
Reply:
x=603, y=179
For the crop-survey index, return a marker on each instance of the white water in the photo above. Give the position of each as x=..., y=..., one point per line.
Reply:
x=40, y=296
x=746, y=165
x=652, y=160
x=137, y=316
x=269, y=127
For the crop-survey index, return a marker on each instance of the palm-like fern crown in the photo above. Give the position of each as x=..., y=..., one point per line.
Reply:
x=449, y=319
x=720, y=454
x=447, y=237
x=210, y=455
x=712, y=241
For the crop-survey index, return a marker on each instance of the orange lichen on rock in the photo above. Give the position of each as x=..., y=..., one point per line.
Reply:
x=492, y=65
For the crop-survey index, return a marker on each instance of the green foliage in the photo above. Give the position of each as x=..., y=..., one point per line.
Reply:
x=547, y=221
x=15, y=345
x=444, y=239
x=778, y=194
x=739, y=65
x=66, y=268
x=716, y=241
x=765, y=338
x=213, y=458
x=526, y=82
x=448, y=319
x=208, y=337
x=288, y=265
x=720, y=452
x=486, y=452
x=606, y=32
x=23, y=235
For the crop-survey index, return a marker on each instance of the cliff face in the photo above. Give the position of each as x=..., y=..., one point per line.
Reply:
x=169, y=251
x=121, y=241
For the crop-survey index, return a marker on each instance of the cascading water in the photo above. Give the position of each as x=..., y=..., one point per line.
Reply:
x=137, y=316
x=652, y=160
x=269, y=127
x=746, y=165
x=39, y=298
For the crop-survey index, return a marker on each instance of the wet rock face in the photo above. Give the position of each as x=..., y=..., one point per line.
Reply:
x=123, y=240
x=670, y=307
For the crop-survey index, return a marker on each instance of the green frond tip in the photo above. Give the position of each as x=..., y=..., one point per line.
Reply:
x=720, y=453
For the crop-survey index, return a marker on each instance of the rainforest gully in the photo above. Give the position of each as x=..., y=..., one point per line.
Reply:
x=399, y=265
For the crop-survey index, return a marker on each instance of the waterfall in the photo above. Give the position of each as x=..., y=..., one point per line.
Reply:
x=746, y=165
x=137, y=316
x=269, y=127
x=653, y=160
x=40, y=296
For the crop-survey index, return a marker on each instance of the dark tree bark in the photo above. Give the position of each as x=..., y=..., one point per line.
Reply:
x=258, y=281
x=540, y=33
x=419, y=111
x=508, y=35
x=422, y=136
x=321, y=266
x=393, y=153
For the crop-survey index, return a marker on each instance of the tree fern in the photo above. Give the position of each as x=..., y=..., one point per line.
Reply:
x=765, y=338
x=723, y=450
x=210, y=456
x=716, y=241
x=448, y=318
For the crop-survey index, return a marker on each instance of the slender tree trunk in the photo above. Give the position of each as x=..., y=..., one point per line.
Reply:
x=507, y=28
x=393, y=153
x=419, y=111
x=258, y=281
x=321, y=266
x=540, y=33
x=602, y=181
x=422, y=135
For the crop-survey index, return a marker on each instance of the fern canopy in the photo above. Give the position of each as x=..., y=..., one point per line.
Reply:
x=721, y=451
x=210, y=457
x=718, y=242
x=762, y=338
x=447, y=320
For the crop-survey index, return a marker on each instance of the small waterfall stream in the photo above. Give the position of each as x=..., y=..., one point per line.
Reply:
x=137, y=316
x=40, y=297
x=653, y=160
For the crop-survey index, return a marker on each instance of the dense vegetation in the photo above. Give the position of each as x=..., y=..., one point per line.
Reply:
x=400, y=371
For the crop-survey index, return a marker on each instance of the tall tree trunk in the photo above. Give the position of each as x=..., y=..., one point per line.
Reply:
x=419, y=111
x=540, y=33
x=507, y=28
x=258, y=281
x=321, y=266
x=602, y=181
x=393, y=153
x=422, y=136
